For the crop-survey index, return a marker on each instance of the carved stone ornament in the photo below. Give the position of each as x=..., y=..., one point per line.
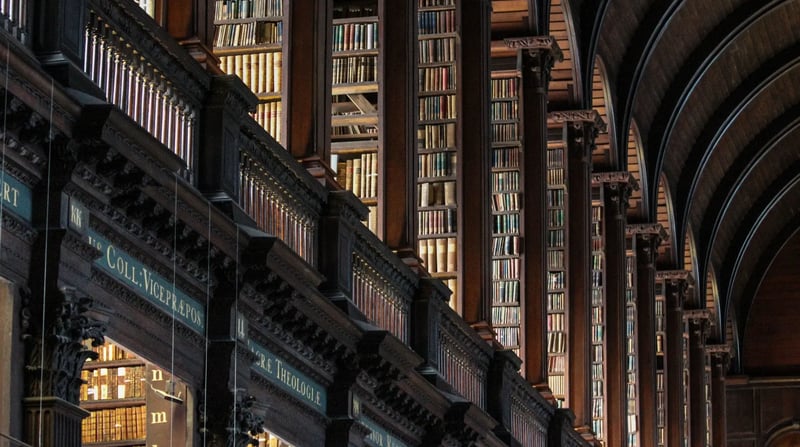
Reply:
x=244, y=423
x=56, y=353
x=650, y=231
x=585, y=116
x=675, y=276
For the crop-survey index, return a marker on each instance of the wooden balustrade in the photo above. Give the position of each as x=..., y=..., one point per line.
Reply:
x=380, y=300
x=463, y=358
x=142, y=74
x=281, y=197
x=14, y=18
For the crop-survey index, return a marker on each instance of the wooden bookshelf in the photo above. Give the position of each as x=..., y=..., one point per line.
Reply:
x=356, y=143
x=114, y=394
x=631, y=343
x=124, y=395
x=661, y=361
x=248, y=40
x=557, y=263
x=599, y=355
x=506, y=206
x=438, y=143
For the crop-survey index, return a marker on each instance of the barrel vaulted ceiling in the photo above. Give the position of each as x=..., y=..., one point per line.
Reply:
x=712, y=89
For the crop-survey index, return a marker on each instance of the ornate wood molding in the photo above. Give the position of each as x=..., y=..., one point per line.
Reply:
x=585, y=116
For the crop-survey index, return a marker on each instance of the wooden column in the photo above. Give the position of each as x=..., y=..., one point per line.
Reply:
x=617, y=190
x=307, y=54
x=676, y=285
x=191, y=23
x=474, y=101
x=648, y=237
x=720, y=360
x=581, y=128
x=537, y=56
x=698, y=331
x=396, y=222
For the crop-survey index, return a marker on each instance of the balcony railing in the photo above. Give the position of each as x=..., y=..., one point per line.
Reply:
x=159, y=88
x=14, y=16
x=463, y=358
x=281, y=197
x=528, y=411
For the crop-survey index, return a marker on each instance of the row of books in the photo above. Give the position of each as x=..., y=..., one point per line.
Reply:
x=249, y=33
x=115, y=424
x=556, y=238
x=436, y=164
x=504, y=110
x=505, y=291
x=505, y=181
x=437, y=194
x=261, y=72
x=555, y=259
x=556, y=280
x=112, y=383
x=355, y=36
x=508, y=245
x=597, y=260
x=437, y=51
x=557, y=386
x=597, y=390
x=597, y=362
x=108, y=352
x=556, y=342
x=556, y=364
x=505, y=132
x=372, y=218
x=597, y=315
x=432, y=136
x=555, y=217
x=439, y=255
x=508, y=336
x=432, y=79
x=597, y=278
x=437, y=107
x=269, y=440
x=505, y=158
x=269, y=115
x=355, y=69
x=596, y=232
x=555, y=176
x=598, y=331
x=358, y=174
x=505, y=224
x=505, y=315
x=435, y=222
x=556, y=322
x=555, y=158
x=507, y=201
x=556, y=301
x=504, y=88
x=437, y=22
x=243, y=9
x=555, y=198
x=505, y=268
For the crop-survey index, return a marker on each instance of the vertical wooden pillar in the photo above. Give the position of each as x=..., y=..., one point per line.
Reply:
x=648, y=237
x=475, y=146
x=720, y=358
x=617, y=190
x=676, y=285
x=698, y=330
x=581, y=128
x=537, y=56
x=307, y=55
x=396, y=222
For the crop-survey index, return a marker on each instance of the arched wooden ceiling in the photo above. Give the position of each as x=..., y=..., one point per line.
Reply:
x=714, y=89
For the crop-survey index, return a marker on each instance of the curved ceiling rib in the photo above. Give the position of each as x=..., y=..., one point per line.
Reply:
x=756, y=84
x=693, y=70
x=636, y=58
x=588, y=41
x=782, y=188
x=602, y=158
x=637, y=204
x=667, y=253
x=741, y=169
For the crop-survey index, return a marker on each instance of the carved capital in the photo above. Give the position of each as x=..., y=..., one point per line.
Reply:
x=678, y=282
x=55, y=352
x=589, y=116
x=699, y=322
x=720, y=357
x=244, y=422
x=538, y=55
x=619, y=185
